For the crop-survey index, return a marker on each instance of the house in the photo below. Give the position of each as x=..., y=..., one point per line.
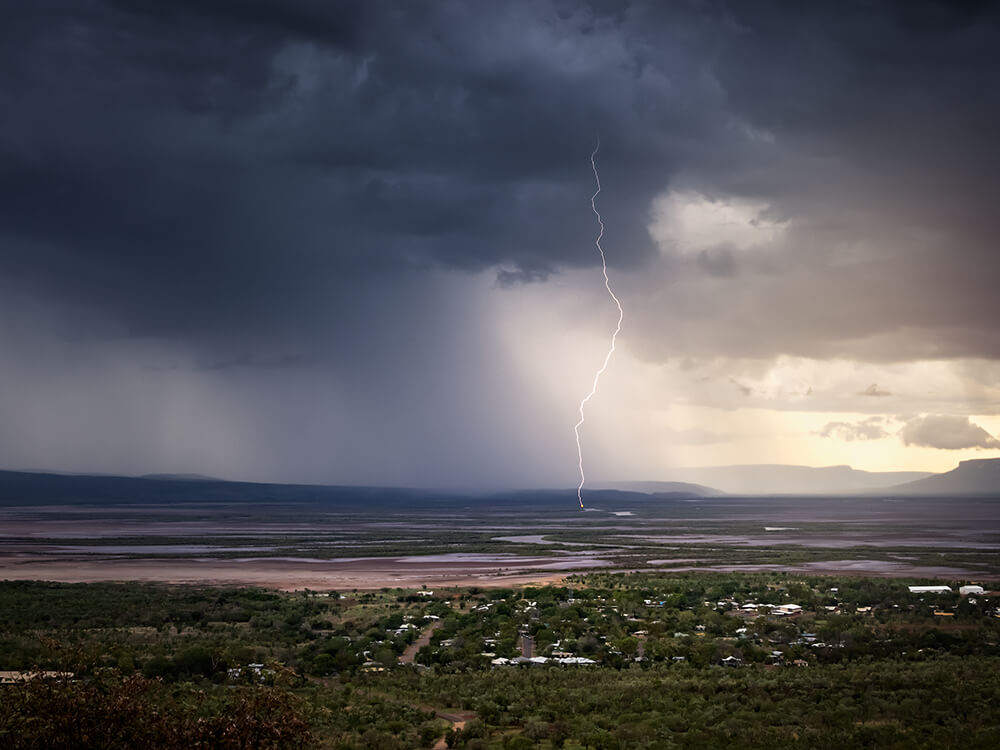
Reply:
x=732, y=661
x=784, y=610
x=971, y=589
x=257, y=671
x=576, y=660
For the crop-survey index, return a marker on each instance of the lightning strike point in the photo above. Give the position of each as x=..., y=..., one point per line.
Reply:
x=614, y=336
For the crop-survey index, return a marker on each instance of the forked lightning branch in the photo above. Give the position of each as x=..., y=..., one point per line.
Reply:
x=618, y=328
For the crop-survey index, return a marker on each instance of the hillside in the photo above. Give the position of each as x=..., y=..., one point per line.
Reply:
x=666, y=489
x=782, y=479
x=978, y=476
x=19, y=488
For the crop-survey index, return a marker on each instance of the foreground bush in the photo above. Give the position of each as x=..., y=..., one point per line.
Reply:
x=110, y=711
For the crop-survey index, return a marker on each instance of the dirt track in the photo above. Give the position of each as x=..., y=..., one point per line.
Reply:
x=414, y=648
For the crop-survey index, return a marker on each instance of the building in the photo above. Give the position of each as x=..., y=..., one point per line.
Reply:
x=527, y=646
x=784, y=610
x=930, y=589
x=971, y=589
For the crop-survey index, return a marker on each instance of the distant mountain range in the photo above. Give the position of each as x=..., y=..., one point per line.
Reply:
x=41, y=488
x=780, y=479
x=981, y=476
x=974, y=477
x=668, y=489
x=977, y=476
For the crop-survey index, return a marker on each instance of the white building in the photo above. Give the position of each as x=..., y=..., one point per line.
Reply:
x=783, y=610
x=971, y=589
x=930, y=589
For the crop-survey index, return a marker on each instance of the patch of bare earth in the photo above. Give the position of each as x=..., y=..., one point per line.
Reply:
x=289, y=575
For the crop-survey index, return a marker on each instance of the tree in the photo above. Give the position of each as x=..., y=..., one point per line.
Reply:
x=558, y=734
x=517, y=742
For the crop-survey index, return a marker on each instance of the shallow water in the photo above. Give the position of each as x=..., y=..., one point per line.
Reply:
x=850, y=567
x=965, y=531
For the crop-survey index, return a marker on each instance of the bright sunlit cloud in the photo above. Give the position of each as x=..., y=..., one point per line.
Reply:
x=687, y=222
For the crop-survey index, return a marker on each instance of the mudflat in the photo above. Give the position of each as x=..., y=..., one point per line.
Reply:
x=491, y=542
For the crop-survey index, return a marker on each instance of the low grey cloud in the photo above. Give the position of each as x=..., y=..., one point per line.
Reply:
x=947, y=433
x=874, y=390
x=872, y=428
x=743, y=388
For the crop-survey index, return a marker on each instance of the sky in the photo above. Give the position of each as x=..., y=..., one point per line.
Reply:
x=353, y=242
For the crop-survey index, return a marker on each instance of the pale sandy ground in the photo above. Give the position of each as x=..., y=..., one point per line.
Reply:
x=371, y=573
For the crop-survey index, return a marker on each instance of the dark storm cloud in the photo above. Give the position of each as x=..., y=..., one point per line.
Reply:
x=204, y=169
x=245, y=159
x=875, y=125
x=247, y=359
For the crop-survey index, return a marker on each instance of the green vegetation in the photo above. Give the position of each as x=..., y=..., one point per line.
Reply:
x=642, y=660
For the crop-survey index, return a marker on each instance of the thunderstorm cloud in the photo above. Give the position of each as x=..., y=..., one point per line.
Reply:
x=290, y=239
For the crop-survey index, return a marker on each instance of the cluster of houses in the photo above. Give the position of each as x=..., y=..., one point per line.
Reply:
x=501, y=661
x=752, y=609
x=527, y=656
x=969, y=591
x=962, y=590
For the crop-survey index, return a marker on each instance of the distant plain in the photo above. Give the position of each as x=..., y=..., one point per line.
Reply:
x=366, y=539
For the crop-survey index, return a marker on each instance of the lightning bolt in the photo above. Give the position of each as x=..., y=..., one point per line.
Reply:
x=614, y=336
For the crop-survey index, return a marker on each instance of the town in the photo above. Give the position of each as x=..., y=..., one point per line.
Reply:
x=540, y=666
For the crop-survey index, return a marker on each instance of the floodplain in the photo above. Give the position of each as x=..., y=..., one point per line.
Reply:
x=496, y=539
